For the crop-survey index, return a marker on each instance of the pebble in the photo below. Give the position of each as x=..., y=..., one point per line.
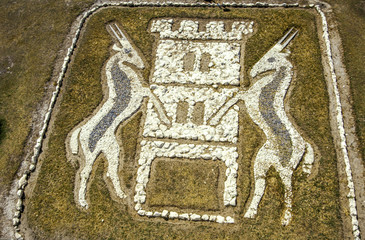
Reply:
x=173, y=215
x=19, y=205
x=18, y=236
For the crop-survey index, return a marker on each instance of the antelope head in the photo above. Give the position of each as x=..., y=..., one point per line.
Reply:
x=126, y=52
x=274, y=58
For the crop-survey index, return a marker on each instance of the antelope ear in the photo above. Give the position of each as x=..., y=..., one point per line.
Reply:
x=116, y=48
x=286, y=52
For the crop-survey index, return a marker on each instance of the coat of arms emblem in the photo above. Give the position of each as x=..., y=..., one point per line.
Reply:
x=191, y=113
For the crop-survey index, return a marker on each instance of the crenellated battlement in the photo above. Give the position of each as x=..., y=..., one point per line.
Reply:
x=189, y=29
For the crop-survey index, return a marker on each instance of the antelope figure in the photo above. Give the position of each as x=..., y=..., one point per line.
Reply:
x=284, y=146
x=125, y=97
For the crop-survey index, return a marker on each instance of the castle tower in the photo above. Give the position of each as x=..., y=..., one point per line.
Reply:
x=195, y=73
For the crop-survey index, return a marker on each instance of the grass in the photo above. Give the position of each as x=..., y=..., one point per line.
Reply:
x=184, y=184
x=29, y=41
x=52, y=212
x=353, y=38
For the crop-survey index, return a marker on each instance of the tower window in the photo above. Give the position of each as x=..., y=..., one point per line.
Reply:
x=204, y=62
x=182, y=112
x=188, y=61
x=198, y=113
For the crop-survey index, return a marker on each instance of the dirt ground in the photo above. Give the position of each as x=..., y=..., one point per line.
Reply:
x=33, y=39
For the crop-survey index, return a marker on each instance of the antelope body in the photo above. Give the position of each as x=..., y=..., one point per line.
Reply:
x=125, y=97
x=284, y=146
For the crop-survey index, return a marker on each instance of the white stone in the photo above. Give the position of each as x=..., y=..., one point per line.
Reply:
x=189, y=29
x=18, y=236
x=195, y=217
x=157, y=214
x=229, y=220
x=220, y=219
x=173, y=215
x=16, y=221
x=20, y=193
x=17, y=214
x=23, y=181
x=32, y=167
x=137, y=207
x=19, y=205
x=141, y=212
x=164, y=213
x=205, y=217
x=183, y=216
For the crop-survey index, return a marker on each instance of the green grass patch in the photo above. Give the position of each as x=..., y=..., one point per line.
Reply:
x=52, y=211
x=353, y=38
x=184, y=184
x=29, y=42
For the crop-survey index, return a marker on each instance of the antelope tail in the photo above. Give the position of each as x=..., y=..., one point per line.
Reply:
x=308, y=158
x=74, y=143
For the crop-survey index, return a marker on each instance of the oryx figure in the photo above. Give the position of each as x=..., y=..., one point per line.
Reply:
x=125, y=96
x=284, y=146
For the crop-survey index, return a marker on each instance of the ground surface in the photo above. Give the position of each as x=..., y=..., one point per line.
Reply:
x=33, y=36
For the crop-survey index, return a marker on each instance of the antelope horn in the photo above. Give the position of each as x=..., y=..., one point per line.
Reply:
x=121, y=37
x=288, y=39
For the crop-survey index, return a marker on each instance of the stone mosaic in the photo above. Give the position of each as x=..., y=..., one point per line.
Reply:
x=122, y=97
x=284, y=146
x=213, y=91
x=182, y=33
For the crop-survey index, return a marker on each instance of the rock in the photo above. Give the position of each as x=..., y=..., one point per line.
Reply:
x=32, y=167
x=137, y=207
x=157, y=214
x=18, y=236
x=17, y=214
x=165, y=213
x=195, y=217
x=229, y=219
x=205, y=217
x=220, y=219
x=20, y=193
x=23, y=181
x=159, y=144
x=19, y=205
x=16, y=221
x=141, y=212
x=184, y=216
x=173, y=215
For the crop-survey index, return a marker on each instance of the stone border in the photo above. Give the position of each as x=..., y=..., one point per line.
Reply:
x=80, y=21
x=341, y=129
x=151, y=150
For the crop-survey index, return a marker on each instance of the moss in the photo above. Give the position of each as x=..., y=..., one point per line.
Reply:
x=52, y=209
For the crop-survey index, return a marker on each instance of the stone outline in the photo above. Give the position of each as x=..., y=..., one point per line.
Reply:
x=80, y=21
x=341, y=129
x=276, y=124
x=152, y=149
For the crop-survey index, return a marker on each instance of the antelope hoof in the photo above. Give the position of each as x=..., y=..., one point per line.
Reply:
x=83, y=204
x=287, y=217
x=307, y=168
x=251, y=213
